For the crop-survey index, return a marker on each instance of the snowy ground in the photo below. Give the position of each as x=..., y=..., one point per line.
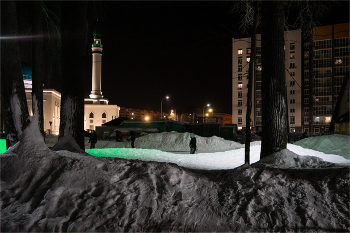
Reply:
x=297, y=189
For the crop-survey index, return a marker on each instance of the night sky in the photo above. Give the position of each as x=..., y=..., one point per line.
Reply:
x=180, y=49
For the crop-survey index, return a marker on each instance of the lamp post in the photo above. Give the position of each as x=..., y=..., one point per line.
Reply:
x=161, y=107
x=203, y=112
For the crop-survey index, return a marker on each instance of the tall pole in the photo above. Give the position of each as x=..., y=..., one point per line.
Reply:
x=203, y=112
x=161, y=107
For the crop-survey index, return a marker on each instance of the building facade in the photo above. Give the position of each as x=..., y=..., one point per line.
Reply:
x=241, y=51
x=326, y=61
x=314, y=74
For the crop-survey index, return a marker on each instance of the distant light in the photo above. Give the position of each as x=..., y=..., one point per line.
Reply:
x=210, y=110
x=207, y=114
x=56, y=133
x=208, y=105
x=167, y=97
x=146, y=118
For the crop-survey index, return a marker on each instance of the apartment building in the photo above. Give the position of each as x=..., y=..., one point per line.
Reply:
x=241, y=51
x=326, y=61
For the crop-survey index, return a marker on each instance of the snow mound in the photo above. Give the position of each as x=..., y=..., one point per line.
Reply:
x=329, y=144
x=72, y=192
x=174, y=141
x=288, y=159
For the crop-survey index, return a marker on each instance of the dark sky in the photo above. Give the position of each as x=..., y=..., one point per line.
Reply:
x=154, y=49
x=180, y=49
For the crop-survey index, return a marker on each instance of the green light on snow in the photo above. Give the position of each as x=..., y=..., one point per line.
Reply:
x=96, y=42
x=2, y=145
x=123, y=153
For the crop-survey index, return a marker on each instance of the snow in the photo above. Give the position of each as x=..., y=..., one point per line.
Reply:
x=151, y=189
x=329, y=144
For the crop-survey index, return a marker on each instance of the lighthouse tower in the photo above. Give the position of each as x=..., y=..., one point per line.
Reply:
x=96, y=48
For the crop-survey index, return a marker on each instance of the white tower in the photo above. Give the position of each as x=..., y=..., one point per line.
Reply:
x=96, y=64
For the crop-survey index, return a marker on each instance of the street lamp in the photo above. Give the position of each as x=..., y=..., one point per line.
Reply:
x=161, y=107
x=203, y=112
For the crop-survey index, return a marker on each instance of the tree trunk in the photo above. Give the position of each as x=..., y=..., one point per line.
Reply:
x=274, y=90
x=12, y=87
x=74, y=39
x=38, y=63
x=250, y=83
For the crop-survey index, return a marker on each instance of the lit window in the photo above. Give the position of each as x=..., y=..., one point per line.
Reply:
x=328, y=119
x=248, y=59
x=292, y=55
x=96, y=41
x=240, y=51
x=249, y=51
x=240, y=85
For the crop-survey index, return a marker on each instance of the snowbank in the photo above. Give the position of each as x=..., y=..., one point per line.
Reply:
x=174, y=141
x=336, y=144
x=46, y=191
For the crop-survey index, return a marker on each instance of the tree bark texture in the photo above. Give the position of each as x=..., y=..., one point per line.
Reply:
x=15, y=120
x=250, y=83
x=74, y=40
x=38, y=63
x=274, y=90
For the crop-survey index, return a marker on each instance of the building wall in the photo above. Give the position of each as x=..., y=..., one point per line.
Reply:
x=52, y=105
x=51, y=108
x=96, y=115
x=240, y=68
x=328, y=61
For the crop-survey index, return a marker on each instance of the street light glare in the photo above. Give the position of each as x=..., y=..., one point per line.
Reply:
x=167, y=97
x=208, y=105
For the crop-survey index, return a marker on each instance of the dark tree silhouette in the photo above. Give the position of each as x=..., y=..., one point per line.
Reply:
x=74, y=39
x=38, y=61
x=274, y=90
x=15, y=119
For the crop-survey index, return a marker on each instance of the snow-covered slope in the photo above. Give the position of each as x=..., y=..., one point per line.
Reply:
x=75, y=192
x=174, y=141
x=336, y=144
x=46, y=191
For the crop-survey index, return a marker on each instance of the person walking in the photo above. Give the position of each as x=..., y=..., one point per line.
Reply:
x=193, y=143
x=132, y=134
x=93, y=139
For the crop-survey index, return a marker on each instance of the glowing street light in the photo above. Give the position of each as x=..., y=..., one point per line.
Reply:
x=203, y=112
x=146, y=118
x=161, y=107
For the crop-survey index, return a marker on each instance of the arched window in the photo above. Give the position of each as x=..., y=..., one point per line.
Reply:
x=104, y=115
x=91, y=115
